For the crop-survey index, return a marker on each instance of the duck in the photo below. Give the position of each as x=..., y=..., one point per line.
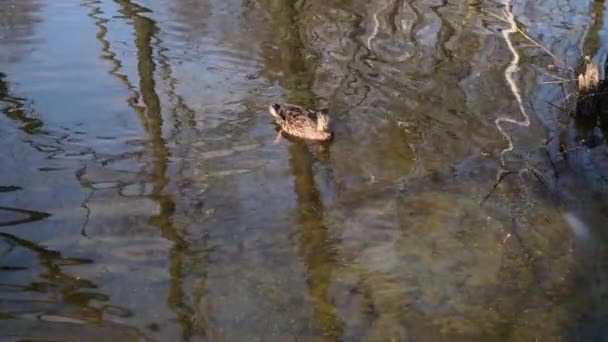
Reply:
x=300, y=122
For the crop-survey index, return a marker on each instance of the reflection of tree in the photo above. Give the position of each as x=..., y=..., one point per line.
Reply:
x=315, y=247
x=593, y=43
x=192, y=16
x=18, y=17
x=145, y=32
x=16, y=109
x=97, y=14
x=298, y=79
x=52, y=261
x=17, y=21
x=70, y=297
x=31, y=216
x=146, y=42
x=74, y=291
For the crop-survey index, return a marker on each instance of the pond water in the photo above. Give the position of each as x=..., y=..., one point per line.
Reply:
x=142, y=197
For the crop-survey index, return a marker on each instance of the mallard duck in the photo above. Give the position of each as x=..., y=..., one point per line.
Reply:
x=301, y=122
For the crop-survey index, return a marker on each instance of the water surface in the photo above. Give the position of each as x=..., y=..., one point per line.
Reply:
x=142, y=197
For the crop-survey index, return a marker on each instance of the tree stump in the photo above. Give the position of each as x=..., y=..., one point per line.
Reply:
x=590, y=94
x=589, y=81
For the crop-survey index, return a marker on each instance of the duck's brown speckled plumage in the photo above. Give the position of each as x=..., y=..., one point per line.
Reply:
x=301, y=122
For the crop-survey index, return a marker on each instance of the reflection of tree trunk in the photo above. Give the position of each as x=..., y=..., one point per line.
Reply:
x=593, y=42
x=315, y=247
x=145, y=29
x=145, y=32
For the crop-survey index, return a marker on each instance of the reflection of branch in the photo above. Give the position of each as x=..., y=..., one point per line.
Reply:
x=14, y=240
x=504, y=173
x=511, y=69
x=177, y=100
x=32, y=216
x=116, y=65
x=376, y=25
x=16, y=110
x=9, y=188
x=501, y=176
x=106, y=47
x=560, y=78
x=67, y=284
x=509, y=19
x=52, y=260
